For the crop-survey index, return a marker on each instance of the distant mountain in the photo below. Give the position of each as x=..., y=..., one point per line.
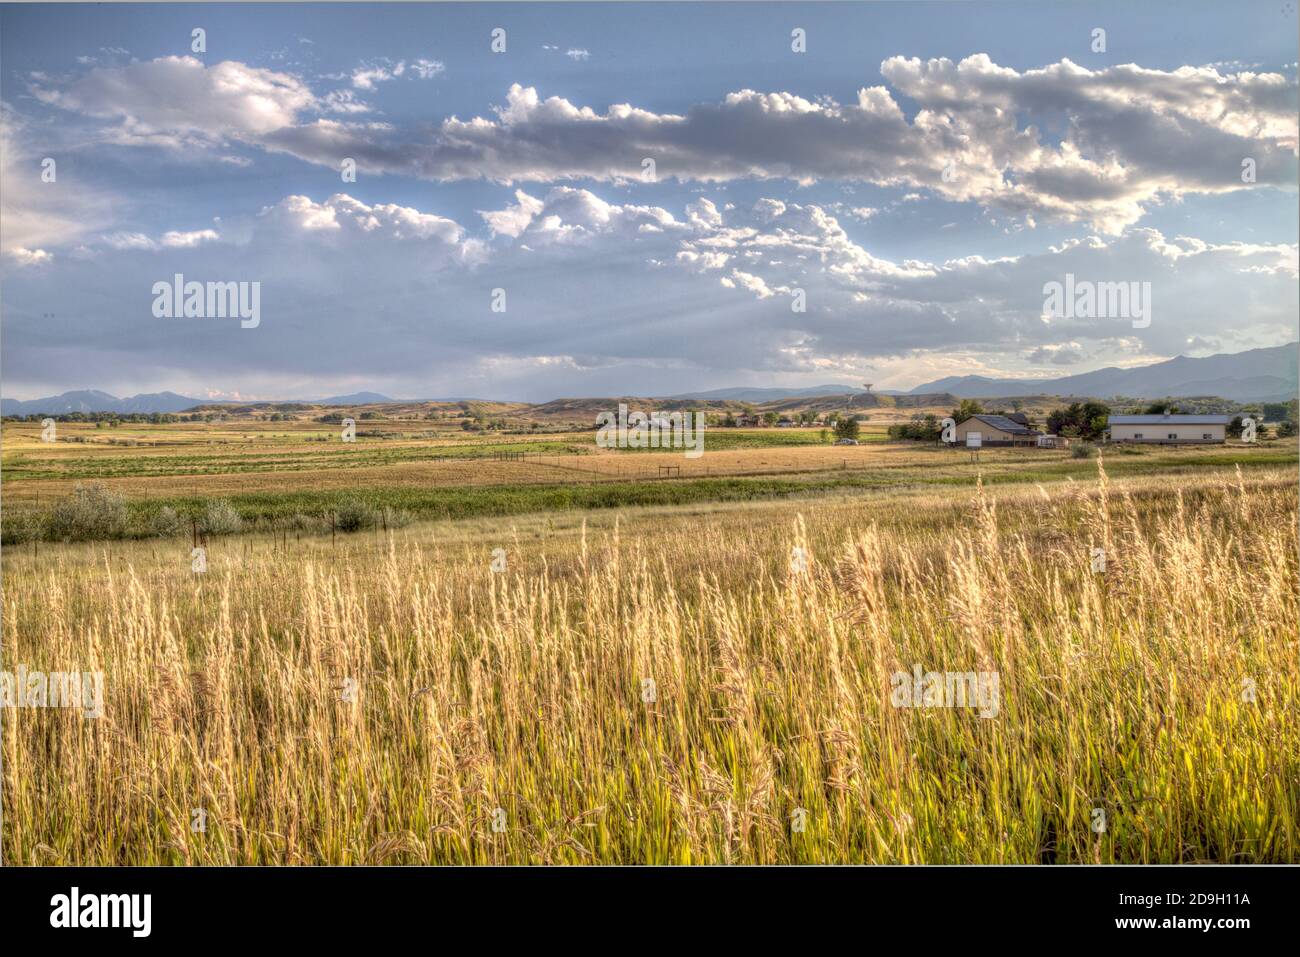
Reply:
x=356, y=398
x=1253, y=376
x=746, y=394
x=92, y=400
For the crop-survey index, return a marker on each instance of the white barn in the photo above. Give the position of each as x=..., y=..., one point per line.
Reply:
x=1169, y=429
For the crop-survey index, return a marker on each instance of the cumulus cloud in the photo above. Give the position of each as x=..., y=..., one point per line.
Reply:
x=1061, y=142
x=178, y=100
x=36, y=215
x=625, y=295
x=28, y=257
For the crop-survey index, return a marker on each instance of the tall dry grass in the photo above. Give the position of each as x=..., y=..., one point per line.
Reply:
x=525, y=690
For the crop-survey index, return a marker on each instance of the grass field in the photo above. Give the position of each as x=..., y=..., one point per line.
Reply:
x=281, y=477
x=685, y=670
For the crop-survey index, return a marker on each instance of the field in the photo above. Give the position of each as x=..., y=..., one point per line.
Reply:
x=568, y=658
x=294, y=475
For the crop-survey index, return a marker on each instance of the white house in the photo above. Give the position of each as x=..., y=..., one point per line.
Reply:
x=1167, y=429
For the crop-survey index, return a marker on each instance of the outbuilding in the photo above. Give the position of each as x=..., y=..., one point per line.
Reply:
x=1169, y=429
x=984, y=430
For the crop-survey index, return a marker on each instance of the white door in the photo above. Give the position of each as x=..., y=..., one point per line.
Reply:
x=974, y=440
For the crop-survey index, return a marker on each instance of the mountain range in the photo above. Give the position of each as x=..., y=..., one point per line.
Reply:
x=748, y=394
x=92, y=400
x=1258, y=375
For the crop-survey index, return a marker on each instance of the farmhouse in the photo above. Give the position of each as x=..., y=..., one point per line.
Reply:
x=1167, y=429
x=982, y=430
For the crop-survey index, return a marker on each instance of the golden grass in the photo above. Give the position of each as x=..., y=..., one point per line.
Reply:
x=524, y=690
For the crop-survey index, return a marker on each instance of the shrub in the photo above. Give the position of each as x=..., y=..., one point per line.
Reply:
x=90, y=512
x=20, y=527
x=355, y=516
x=220, y=518
x=166, y=523
x=1082, y=450
x=847, y=428
x=398, y=517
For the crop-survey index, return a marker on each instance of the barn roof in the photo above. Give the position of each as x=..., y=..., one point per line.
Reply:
x=1170, y=419
x=1005, y=424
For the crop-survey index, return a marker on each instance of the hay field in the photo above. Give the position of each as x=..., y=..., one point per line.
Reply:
x=393, y=699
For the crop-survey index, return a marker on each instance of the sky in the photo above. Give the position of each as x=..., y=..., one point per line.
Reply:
x=886, y=205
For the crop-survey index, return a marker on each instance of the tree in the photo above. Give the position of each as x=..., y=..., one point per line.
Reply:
x=966, y=409
x=1088, y=420
x=920, y=429
x=846, y=428
x=769, y=418
x=1164, y=407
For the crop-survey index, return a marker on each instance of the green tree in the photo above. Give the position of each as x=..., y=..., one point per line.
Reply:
x=847, y=428
x=1087, y=420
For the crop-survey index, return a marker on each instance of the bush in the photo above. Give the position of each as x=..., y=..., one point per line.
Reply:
x=220, y=518
x=166, y=523
x=90, y=512
x=1082, y=450
x=397, y=517
x=355, y=516
x=20, y=527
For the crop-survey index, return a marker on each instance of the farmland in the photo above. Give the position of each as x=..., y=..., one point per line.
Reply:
x=273, y=473
x=538, y=651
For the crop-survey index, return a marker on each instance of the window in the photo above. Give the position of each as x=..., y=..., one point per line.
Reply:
x=1137, y=435
x=1173, y=435
x=1207, y=436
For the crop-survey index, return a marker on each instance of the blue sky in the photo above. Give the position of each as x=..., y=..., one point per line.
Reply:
x=817, y=171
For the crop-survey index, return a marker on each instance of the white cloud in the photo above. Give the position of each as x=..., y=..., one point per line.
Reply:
x=1130, y=137
x=368, y=76
x=427, y=69
x=354, y=289
x=178, y=101
x=29, y=257
x=175, y=238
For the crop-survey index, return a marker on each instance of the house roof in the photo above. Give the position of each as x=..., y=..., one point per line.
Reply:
x=1170, y=419
x=1004, y=424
